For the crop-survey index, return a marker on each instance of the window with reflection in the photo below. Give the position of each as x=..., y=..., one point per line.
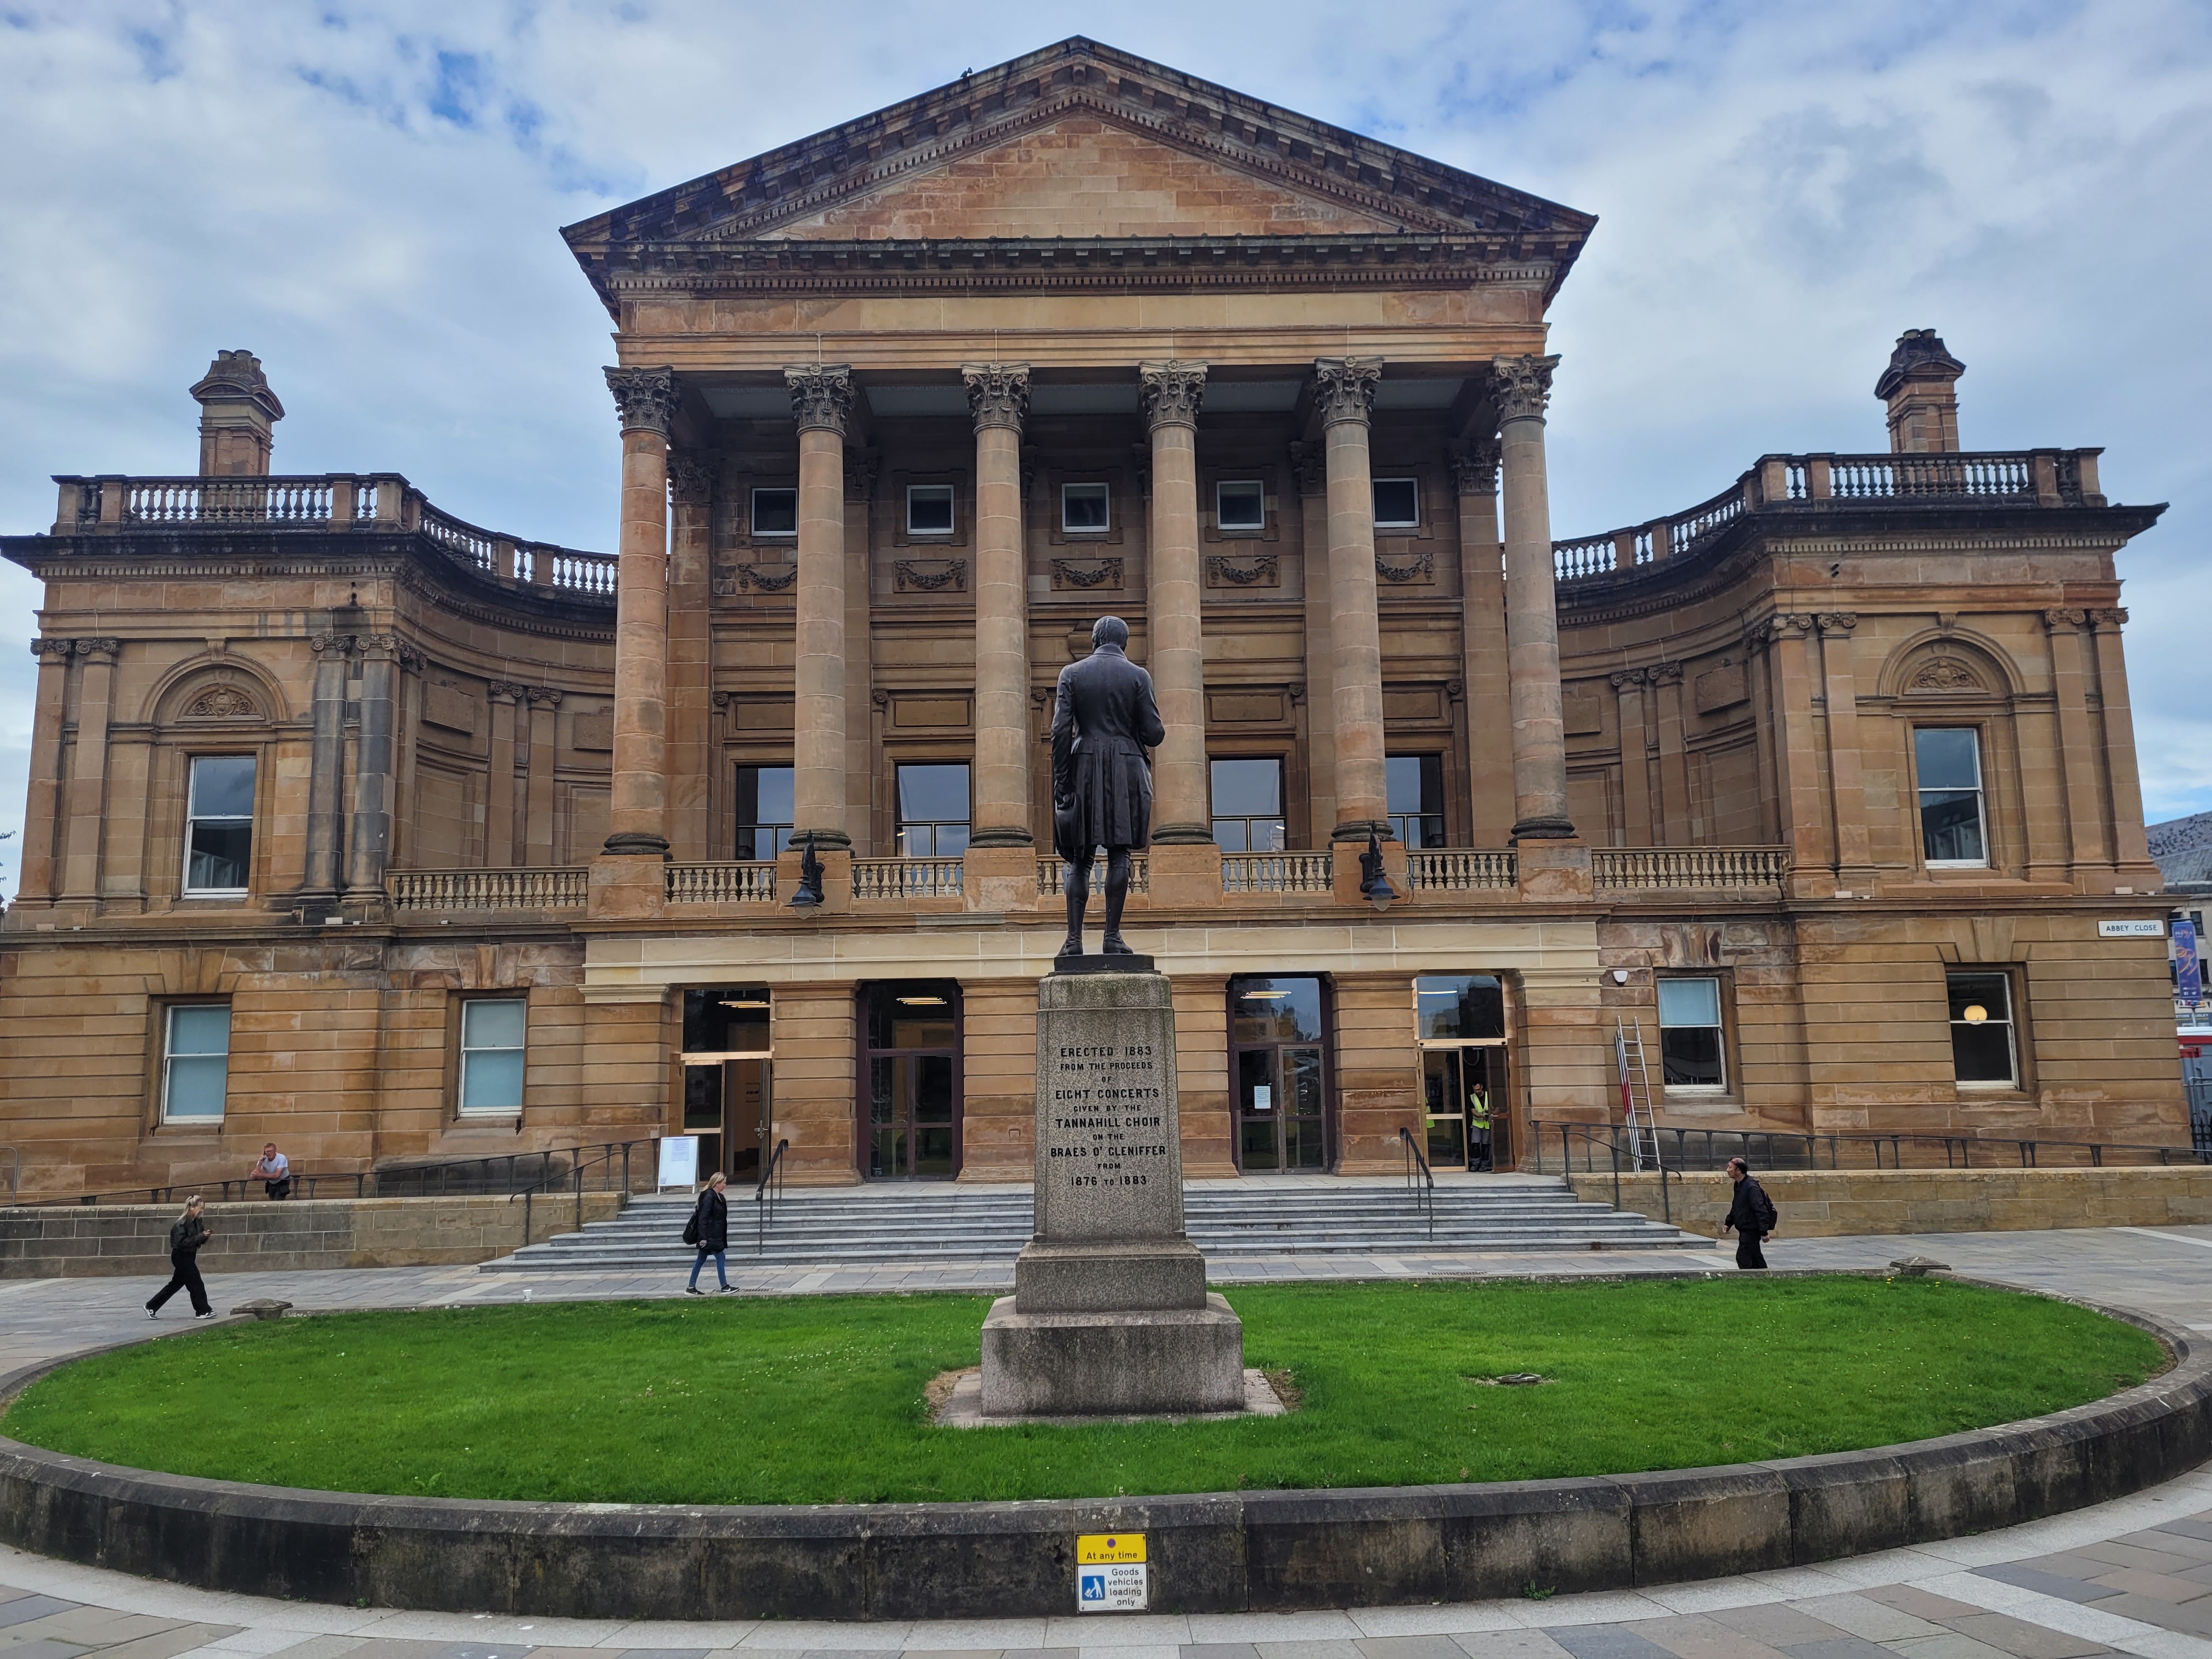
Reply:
x=911, y=1111
x=933, y=809
x=1247, y=806
x=1279, y=1068
x=1982, y=1051
x=219, y=825
x=1414, y=785
x=196, y=1062
x=1240, y=504
x=1459, y=1007
x=1459, y=1022
x=1397, y=503
x=1948, y=762
x=1692, y=1049
x=1085, y=508
x=763, y=811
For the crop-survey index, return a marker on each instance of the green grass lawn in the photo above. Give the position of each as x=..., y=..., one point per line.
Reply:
x=820, y=1400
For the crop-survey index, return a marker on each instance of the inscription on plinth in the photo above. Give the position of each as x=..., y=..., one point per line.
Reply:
x=1108, y=1164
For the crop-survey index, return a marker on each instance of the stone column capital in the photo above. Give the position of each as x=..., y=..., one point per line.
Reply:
x=1474, y=466
x=2065, y=617
x=1171, y=392
x=99, y=650
x=546, y=695
x=1344, y=388
x=1309, y=468
x=644, y=399
x=1523, y=387
x=379, y=648
x=2112, y=617
x=1786, y=627
x=57, y=649
x=1664, y=673
x=331, y=645
x=1627, y=679
x=821, y=397
x=505, y=691
x=998, y=394
x=691, y=475
x=1836, y=624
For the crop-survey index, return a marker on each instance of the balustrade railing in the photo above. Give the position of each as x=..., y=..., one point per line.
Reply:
x=486, y=890
x=227, y=501
x=1052, y=875
x=1277, y=873
x=1458, y=870
x=2040, y=478
x=1634, y=867
x=721, y=883
x=906, y=879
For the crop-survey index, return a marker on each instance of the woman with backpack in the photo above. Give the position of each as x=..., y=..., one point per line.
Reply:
x=186, y=1237
x=709, y=1230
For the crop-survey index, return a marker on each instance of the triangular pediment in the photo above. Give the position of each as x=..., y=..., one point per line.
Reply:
x=1079, y=141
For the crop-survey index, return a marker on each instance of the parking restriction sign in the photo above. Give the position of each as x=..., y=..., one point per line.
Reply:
x=1110, y=1572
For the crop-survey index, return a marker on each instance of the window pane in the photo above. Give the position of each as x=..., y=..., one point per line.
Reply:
x=1402, y=783
x=1397, y=501
x=196, y=1087
x=204, y=1030
x=1248, y=787
x=1990, y=992
x=218, y=857
x=1949, y=757
x=776, y=511
x=928, y=509
x=1689, y=1002
x=932, y=793
x=491, y=1081
x=1460, y=1006
x=1240, y=506
x=1951, y=827
x=1689, y=1057
x=489, y=1024
x=1982, y=1054
x=1276, y=1010
x=1083, y=507
x=222, y=787
x=764, y=794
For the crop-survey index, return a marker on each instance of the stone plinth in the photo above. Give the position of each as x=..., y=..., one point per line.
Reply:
x=1110, y=1313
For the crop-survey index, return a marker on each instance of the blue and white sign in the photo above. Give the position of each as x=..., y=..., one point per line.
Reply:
x=2188, y=972
x=1117, y=1588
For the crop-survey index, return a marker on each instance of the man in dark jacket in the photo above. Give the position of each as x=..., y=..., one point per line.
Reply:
x=1103, y=719
x=186, y=1237
x=1751, y=1213
x=712, y=1221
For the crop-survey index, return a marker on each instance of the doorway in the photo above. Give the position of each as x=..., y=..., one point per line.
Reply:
x=911, y=1081
x=1459, y=1022
x=1279, y=1067
x=727, y=1094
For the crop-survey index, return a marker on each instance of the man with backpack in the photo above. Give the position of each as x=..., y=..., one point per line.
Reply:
x=709, y=1233
x=1751, y=1213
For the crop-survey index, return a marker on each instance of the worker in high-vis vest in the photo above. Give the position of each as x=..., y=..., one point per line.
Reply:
x=1477, y=1127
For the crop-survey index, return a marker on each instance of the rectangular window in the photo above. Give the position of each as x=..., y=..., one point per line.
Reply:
x=492, y=1030
x=1084, y=507
x=219, y=826
x=929, y=509
x=1949, y=759
x=1414, y=785
x=933, y=811
x=1397, y=504
x=1459, y=1007
x=1691, y=1052
x=1241, y=505
x=776, y=513
x=764, y=811
x=1982, y=1053
x=196, y=1063
x=1247, y=806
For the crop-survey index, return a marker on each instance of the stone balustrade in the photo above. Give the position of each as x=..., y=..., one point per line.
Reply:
x=1277, y=873
x=486, y=890
x=1796, y=483
x=897, y=879
x=1052, y=875
x=1632, y=868
x=1459, y=869
x=721, y=883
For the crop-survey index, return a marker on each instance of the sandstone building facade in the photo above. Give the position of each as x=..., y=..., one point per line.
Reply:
x=357, y=827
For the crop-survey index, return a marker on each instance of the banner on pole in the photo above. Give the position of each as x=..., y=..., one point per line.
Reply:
x=2188, y=972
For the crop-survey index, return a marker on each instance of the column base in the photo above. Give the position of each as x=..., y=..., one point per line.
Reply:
x=1184, y=834
x=836, y=878
x=1014, y=836
x=1112, y=1365
x=998, y=877
x=626, y=887
x=1543, y=829
x=1554, y=871
x=824, y=840
x=635, y=844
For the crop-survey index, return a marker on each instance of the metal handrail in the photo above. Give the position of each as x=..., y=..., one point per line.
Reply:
x=498, y=1175
x=1590, y=1134
x=1708, y=1149
x=1420, y=1180
x=767, y=1192
x=573, y=1174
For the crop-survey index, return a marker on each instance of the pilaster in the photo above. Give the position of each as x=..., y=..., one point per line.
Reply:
x=499, y=784
x=1846, y=774
x=1628, y=691
x=1675, y=829
x=2130, y=848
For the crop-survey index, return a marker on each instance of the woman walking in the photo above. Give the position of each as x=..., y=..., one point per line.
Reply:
x=186, y=1237
x=710, y=1231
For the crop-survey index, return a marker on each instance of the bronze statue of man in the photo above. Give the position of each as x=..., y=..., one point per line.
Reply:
x=1103, y=720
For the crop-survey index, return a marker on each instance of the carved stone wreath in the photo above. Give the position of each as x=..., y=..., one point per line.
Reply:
x=770, y=579
x=1266, y=569
x=1944, y=674
x=1104, y=573
x=222, y=702
x=1421, y=569
x=908, y=576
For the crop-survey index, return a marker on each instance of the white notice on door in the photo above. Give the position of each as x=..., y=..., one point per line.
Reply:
x=1119, y=1587
x=1263, y=1097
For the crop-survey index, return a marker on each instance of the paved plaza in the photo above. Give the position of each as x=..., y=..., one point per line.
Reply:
x=2130, y=1576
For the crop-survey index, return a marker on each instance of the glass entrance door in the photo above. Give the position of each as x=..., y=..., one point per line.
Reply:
x=910, y=1127
x=725, y=1060
x=1462, y=1096
x=1279, y=1065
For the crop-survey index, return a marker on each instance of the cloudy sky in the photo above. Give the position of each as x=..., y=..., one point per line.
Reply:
x=368, y=195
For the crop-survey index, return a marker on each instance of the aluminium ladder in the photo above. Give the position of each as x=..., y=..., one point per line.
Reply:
x=1636, y=1093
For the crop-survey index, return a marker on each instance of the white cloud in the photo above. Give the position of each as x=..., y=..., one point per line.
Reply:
x=368, y=195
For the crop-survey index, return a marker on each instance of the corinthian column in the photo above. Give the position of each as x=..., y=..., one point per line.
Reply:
x=1344, y=396
x=999, y=395
x=637, y=814
x=1171, y=392
x=821, y=405
x=1532, y=624
x=691, y=478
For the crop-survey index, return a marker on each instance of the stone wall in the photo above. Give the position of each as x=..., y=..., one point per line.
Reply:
x=115, y=1240
x=1829, y=1203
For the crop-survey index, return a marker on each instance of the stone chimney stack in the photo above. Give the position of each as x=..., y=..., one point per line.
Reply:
x=238, y=417
x=1921, y=386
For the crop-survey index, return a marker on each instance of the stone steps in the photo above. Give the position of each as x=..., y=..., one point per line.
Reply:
x=1322, y=1216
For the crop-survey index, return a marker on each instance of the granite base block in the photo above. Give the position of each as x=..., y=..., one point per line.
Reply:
x=1143, y=1274
x=1163, y=1361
